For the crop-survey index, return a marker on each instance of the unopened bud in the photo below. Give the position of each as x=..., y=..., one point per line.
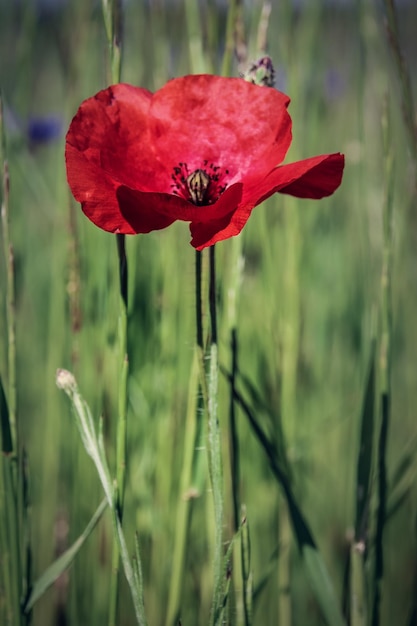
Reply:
x=65, y=381
x=261, y=73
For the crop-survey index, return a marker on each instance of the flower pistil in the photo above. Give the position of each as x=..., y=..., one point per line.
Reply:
x=202, y=186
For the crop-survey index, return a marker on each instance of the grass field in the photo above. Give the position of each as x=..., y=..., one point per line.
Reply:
x=325, y=297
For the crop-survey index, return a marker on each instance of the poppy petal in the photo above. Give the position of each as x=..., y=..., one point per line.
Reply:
x=143, y=210
x=316, y=177
x=130, y=152
x=140, y=209
x=111, y=130
x=227, y=121
x=204, y=235
x=96, y=191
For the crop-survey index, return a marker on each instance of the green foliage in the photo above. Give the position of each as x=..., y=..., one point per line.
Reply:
x=301, y=287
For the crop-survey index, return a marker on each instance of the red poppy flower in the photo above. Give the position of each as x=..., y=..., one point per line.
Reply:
x=202, y=149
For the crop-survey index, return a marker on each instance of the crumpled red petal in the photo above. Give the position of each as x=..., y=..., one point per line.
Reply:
x=139, y=208
x=315, y=178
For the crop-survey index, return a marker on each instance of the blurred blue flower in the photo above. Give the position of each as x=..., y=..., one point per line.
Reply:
x=35, y=130
x=44, y=129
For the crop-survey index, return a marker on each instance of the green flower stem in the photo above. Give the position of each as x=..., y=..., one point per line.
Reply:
x=214, y=449
x=209, y=368
x=124, y=370
x=234, y=280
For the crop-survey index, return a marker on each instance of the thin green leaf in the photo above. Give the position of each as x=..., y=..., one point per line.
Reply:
x=322, y=585
x=225, y=580
x=358, y=601
x=59, y=566
x=403, y=479
x=365, y=455
x=246, y=572
x=268, y=570
x=6, y=433
x=315, y=567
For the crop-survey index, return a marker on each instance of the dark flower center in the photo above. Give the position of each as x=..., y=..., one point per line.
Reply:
x=202, y=186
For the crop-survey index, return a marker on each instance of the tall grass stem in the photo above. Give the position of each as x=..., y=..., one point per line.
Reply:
x=384, y=364
x=11, y=461
x=403, y=75
x=94, y=446
x=112, y=12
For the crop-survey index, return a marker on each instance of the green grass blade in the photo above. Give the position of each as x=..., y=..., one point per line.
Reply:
x=403, y=478
x=365, y=455
x=64, y=561
x=315, y=566
x=358, y=608
x=247, y=572
x=226, y=574
x=266, y=574
x=385, y=363
x=322, y=585
x=6, y=433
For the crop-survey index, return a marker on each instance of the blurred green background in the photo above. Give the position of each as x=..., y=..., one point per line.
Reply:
x=308, y=307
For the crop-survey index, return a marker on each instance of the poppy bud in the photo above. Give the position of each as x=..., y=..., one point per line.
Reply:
x=261, y=73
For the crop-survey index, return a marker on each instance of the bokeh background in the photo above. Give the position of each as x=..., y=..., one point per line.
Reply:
x=308, y=308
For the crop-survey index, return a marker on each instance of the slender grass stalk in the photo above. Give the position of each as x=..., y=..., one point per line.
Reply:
x=195, y=46
x=112, y=11
x=188, y=491
x=11, y=463
x=290, y=339
x=229, y=48
x=10, y=610
x=358, y=608
x=363, y=492
x=94, y=446
x=403, y=74
x=246, y=570
x=10, y=293
x=384, y=365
